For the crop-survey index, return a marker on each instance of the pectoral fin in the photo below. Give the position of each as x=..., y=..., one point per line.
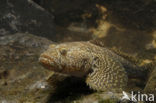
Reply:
x=111, y=76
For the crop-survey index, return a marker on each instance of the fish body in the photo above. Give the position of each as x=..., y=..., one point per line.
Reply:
x=102, y=68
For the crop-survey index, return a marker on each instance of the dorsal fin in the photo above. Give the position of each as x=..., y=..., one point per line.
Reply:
x=97, y=42
x=100, y=42
x=127, y=56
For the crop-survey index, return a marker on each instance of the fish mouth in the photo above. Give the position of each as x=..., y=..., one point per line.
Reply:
x=44, y=57
x=49, y=63
x=46, y=61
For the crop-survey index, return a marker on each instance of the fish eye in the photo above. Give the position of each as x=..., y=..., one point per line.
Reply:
x=63, y=51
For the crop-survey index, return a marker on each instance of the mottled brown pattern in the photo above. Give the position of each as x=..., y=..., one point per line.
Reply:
x=103, y=69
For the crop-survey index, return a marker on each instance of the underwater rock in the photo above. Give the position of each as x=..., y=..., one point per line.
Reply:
x=22, y=79
x=105, y=97
x=68, y=11
x=25, y=16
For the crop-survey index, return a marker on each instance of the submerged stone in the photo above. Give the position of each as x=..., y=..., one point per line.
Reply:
x=25, y=16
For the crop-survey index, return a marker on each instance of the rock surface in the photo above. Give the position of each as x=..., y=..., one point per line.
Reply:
x=22, y=78
x=25, y=16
